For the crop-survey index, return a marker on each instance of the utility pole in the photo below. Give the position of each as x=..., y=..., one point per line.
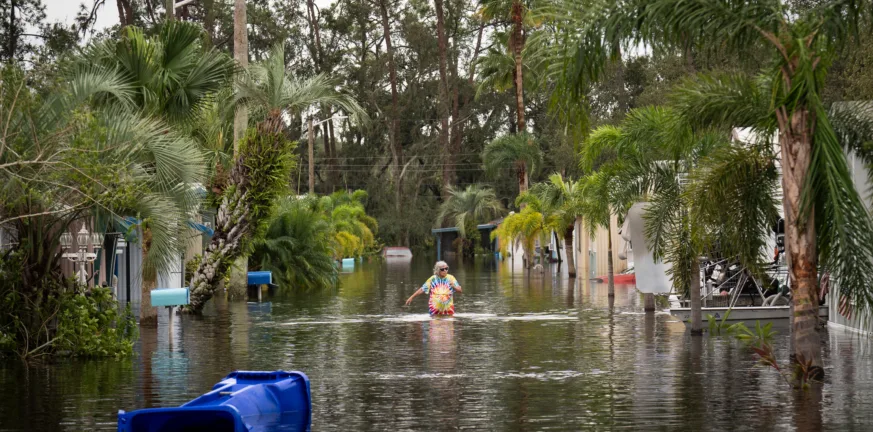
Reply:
x=171, y=9
x=311, y=158
x=241, y=55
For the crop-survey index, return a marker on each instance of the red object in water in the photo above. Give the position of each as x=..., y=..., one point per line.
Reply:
x=625, y=277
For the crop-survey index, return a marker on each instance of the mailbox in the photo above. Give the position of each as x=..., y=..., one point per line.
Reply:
x=260, y=278
x=170, y=297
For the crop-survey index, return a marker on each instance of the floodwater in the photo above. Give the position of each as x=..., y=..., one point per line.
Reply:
x=522, y=353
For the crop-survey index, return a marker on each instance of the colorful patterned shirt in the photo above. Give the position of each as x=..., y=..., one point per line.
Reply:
x=441, y=292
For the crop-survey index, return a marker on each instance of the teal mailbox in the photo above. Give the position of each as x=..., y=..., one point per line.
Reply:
x=170, y=297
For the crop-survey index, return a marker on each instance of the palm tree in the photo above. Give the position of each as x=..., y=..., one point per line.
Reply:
x=565, y=200
x=270, y=90
x=171, y=77
x=297, y=247
x=518, y=13
x=822, y=207
x=112, y=162
x=643, y=159
x=259, y=176
x=519, y=151
x=469, y=207
x=525, y=228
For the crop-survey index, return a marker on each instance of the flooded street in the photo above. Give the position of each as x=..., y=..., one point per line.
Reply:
x=522, y=353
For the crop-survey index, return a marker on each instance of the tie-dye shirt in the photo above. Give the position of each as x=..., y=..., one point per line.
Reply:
x=441, y=294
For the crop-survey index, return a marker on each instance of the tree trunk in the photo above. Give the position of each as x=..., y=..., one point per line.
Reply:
x=457, y=118
x=795, y=136
x=209, y=20
x=394, y=141
x=521, y=172
x=517, y=40
x=609, y=265
x=332, y=171
x=585, y=252
x=313, y=23
x=148, y=316
x=13, y=38
x=318, y=60
x=311, y=136
x=568, y=251
x=243, y=208
x=241, y=55
x=694, y=295
x=396, y=149
x=125, y=13
x=448, y=166
x=171, y=9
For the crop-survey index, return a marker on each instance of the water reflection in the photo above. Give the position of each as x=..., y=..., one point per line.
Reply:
x=525, y=351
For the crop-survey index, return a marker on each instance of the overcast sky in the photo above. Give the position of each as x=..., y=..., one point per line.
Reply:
x=65, y=11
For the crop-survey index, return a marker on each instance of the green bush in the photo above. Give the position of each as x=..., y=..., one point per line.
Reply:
x=91, y=326
x=60, y=317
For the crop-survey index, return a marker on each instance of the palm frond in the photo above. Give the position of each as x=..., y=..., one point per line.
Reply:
x=732, y=197
x=509, y=150
x=853, y=124
x=844, y=231
x=725, y=101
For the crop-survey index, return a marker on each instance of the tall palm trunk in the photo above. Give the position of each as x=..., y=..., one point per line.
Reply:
x=521, y=172
x=568, y=251
x=517, y=40
x=694, y=295
x=609, y=265
x=795, y=138
x=239, y=270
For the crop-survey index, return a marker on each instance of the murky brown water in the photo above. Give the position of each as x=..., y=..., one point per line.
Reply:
x=523, y=353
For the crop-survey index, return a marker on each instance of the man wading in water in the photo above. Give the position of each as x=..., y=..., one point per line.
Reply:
x=441, y=288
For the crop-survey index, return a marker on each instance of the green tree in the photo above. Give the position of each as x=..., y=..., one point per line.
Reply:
x=468, y=208
x=525, y=228
x=80, y=163
x=516, y=151
x=268, y=89
x=173, y=74
x=655, y=156
x=297, y=247
x=170, y=76
x=565, y=199
x=259, y=176
x=821, y=204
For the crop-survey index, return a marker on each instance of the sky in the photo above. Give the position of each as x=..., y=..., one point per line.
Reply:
x=65, y=11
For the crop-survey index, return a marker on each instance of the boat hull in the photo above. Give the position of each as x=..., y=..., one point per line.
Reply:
x=244, y=401
x=743, y=313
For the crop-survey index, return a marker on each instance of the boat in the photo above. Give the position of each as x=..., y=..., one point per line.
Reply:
x=730, y=287
x=743, y=313
x=395, y=252
x=244, y=401
x=626, y=277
